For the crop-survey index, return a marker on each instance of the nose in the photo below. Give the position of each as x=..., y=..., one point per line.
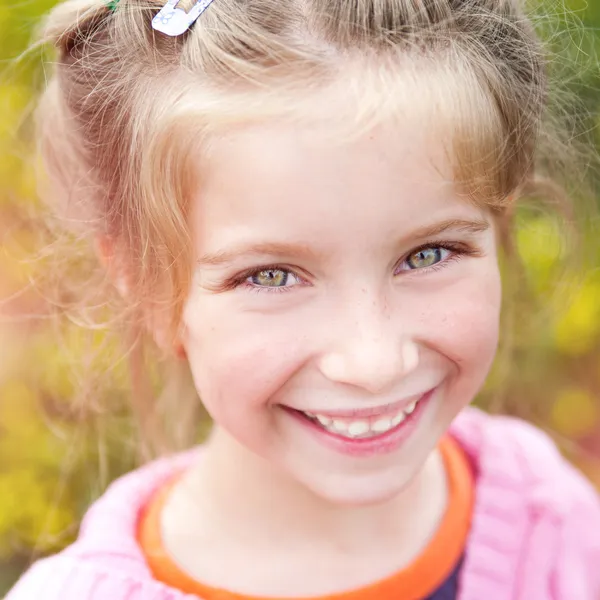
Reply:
x=371, y=352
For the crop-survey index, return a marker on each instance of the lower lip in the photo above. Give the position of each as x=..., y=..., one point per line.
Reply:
x=363, y=447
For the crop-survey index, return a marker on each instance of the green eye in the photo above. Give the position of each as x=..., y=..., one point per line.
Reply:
x=426, y=257
x=270, y=278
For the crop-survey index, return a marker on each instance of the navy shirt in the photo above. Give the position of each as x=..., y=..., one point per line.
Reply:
x=449, y=589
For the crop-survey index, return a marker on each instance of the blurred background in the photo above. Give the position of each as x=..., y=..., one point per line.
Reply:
x=58, y=449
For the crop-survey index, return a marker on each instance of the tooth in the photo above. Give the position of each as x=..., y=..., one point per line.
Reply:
x=340, y=425
x=357, y=428
x=398, y=419
x=408, y=410
x=381, y=425
x=323, y=420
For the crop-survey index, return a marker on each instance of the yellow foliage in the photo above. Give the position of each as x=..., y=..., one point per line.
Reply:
x=575, y=412
x=55, y=378
x=5, y=20
x=540, y=248
x=74, y=355
x=576, y=309
x=32, y=459
x=26, y=185
x=29, y=507
x=16, y=266
x=577, y=329
x=26, y=438
x=13, y=99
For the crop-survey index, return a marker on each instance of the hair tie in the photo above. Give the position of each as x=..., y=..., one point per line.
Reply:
x=171, y=20
x=174, y=21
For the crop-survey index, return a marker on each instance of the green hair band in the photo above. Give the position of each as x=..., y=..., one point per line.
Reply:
x=170, y=20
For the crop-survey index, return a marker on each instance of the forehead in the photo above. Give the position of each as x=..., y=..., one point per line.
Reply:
x=281, y=179
x=369, y=132
x=280, y=146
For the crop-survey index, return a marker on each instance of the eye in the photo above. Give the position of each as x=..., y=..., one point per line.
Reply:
x=426, y=257
x=270, y=278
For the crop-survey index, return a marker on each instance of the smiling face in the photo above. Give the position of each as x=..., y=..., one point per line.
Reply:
x=337, y=284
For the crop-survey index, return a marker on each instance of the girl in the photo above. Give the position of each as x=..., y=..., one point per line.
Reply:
x=306, y=200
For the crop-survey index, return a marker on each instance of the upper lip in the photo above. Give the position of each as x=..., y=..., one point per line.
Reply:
x=374, y=411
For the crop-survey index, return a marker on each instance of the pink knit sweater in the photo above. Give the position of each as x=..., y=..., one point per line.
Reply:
x=535, y=532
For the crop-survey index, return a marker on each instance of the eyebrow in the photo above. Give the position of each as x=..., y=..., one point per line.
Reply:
x=304, y=251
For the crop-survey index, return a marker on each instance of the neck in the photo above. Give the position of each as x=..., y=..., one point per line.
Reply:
x=234, y=492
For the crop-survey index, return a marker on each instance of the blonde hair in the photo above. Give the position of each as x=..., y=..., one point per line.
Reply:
x=128, y=112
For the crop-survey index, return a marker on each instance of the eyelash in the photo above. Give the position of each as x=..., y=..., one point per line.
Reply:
x=458, y=250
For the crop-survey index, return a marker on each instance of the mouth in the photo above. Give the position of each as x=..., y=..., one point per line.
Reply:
x=362, y=428
x=372, y=431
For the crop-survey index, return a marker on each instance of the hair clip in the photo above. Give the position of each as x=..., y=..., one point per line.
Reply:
x=112, y=5
x=174, y=21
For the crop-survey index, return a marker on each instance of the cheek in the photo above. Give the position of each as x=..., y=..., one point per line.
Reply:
x=240, y=363
x=462, y=323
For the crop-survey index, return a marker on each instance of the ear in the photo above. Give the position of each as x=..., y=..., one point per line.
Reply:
x=505, y=224
x=117, y=270
x=106, y=249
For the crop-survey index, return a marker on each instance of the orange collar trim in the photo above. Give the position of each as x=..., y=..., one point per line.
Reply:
x=418, y=580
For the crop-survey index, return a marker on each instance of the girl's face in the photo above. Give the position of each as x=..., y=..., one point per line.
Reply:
x=335, y=286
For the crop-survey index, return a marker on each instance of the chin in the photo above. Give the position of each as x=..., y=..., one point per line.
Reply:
x=350, y=491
